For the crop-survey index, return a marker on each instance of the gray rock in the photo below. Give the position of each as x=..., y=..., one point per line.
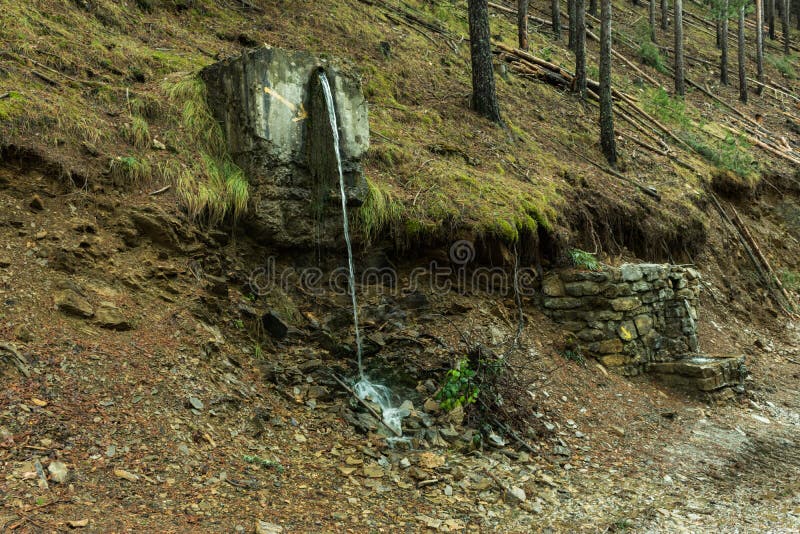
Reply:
x=562, y=303
x=515, y=495
x=631, y=272
x=196, y=403
x=625, y=303
x=58, y=472
x=71, y=303
x=262, y=527
x=580, y=289
x=552, y=286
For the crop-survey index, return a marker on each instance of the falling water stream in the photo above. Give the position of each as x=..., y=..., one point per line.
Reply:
x=366, y=390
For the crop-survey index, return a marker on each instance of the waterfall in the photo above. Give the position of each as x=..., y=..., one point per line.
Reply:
x=326, y=89
x=380, y=395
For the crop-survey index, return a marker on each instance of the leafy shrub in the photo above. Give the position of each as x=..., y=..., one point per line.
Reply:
x=458, y=389
x=650, y=55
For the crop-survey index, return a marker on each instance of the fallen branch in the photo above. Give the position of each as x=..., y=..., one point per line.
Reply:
x=159, y=191
x=44, y=78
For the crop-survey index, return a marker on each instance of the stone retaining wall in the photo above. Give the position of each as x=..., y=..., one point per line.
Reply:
x=627, y=316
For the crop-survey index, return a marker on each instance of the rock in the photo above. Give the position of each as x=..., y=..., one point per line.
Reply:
x=581, y=289
x=515, y=495
x=563, y=303
x=110, y=317
x=36, y=203
x=196, y=403
x=274, y=325
x=625, y=303
x=23, y=334
x=607, y=346
x=5, y=262
x=627, y=331
x=618, y=430
x=262, y=527
x=431, y=406
x=552, y=286
x=373, y=471
x=644, y=324
x=58, y=472
x=631, y=272
x=126, y=475
x=78, y=523
x=71, y=303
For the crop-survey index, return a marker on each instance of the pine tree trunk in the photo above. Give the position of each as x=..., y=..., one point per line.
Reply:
x=571, y=28
x=770, y=12
x=484, y=98
x=555, y=13
x=664, y=15
x=785, y=25
x=741, y=52
x=680, y=88
x=723, y=44
x=593, y=8
x=759, y=41
x=718, y=28
x=580, y=48
x=607, y=141
x=522, y=23
x=652, y=16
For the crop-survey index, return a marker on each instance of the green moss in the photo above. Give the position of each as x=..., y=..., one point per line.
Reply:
x=13, y=106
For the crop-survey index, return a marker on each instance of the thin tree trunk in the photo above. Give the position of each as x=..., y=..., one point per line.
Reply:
x=607, y=141
x=718, y=30
x=484, y=97
x=571, y=27
x=680, y=88
x=555, y=13
x=759, y=41
x=664, y=15
x=741, y=52
x=770, y=12
x=723, y=44
x=580, y=48
x=652, y=19
x=522, y=23
x=593, y=8
x=785, y=25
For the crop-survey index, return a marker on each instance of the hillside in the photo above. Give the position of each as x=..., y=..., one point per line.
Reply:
x=156, y=379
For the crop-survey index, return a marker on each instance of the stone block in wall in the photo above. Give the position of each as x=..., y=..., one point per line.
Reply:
x=643, y=323
x=614, y=360
x=654, y=271
x=607, y=346
x=625, y=303
x=631, y=272
x=575, y=275
x=591, y=335
x=666, y=294
x=602, y=315
x=562, y=303
x=553, y=286
x=641, y=286
x=582, y=289
x=684, y=293
x=627, y=331
x=648, y=298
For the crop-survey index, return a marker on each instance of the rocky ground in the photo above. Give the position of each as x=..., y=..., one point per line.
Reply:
x=135, y=399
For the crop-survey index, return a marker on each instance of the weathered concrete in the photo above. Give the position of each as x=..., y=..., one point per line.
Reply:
x=277, y=129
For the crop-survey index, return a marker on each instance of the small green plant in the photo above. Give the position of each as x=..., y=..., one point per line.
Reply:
x=651, y=56
x=137, y=132
x=546, y=53
x=667, y=108
x=584, y=260
x=258, y=352
x=239, y=324
x=790, y=280
x=263, y=462
x=127, y=170
x=458, y=389
x=783, y=64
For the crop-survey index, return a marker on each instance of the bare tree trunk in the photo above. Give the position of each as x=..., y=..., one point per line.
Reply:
x=759, y=41
x=522, y=23
x=770, y=13
x=723, y=44
x=593, y=8
x=718, y=29
x=664, y=15
x=652, y=18
x=484, y=97
x=555, y=13
x=785, y=25
x=741, y=52
x=607, y=141
x=580, y=48
x=571, y=27
x=680, y=88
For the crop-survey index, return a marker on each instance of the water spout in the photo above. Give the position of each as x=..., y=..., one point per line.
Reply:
x=381, y=395
x=326, y=89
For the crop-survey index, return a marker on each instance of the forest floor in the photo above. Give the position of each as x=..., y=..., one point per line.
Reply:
x=181, y=424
